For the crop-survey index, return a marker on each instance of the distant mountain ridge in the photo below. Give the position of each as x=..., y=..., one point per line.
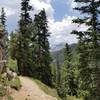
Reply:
x=61, y=46
x=58, y=53
x=58, y=47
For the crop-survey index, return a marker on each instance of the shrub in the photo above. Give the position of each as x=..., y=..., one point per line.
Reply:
x=73, y=98
x=3, y=84
x=9, y=98
x=15, y=83
x=12, y=64
x=3, y=91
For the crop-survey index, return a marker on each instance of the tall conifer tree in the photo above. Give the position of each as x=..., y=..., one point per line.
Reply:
x=22, y=53
x=89, y=45
x=3, y=17
x=68, y=86
x=43, y=59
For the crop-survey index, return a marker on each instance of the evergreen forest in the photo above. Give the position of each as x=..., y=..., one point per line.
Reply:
x=73, y=71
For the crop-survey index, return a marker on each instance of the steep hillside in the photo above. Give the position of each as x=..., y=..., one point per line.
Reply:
x=59, y=54
x=31, y=91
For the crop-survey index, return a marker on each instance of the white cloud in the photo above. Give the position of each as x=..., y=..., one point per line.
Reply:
x=9, y=12
x=47, y=1
x=61, y=31
x=63, y=26
x=40, y=4
x=71, y=3
x=11, y=8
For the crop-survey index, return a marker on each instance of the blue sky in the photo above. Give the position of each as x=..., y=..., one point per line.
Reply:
x=61, y=8
x=59, y=14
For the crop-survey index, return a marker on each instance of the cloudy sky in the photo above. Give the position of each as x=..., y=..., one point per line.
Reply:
x=59, y=13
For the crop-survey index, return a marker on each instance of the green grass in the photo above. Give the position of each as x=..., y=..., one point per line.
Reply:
x=15, y=83
x=47, y=90
x=73, y=98
x=12, y=64
x=3, y=91
x=9, y=98
x=3, y=84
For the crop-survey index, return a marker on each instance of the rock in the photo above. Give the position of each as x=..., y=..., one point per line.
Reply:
x=11, y=75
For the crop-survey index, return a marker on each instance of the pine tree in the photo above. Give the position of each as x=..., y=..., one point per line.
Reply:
x=25, y=8
x=68, y=86
x=69, y=79
x=4, y=37
x=22, y=42
x=42, y=54
x=58, y=70
x=12, y=45
x=3, y=17
x=89, y=46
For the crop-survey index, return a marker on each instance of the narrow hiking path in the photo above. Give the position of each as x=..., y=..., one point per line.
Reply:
x=30, y=91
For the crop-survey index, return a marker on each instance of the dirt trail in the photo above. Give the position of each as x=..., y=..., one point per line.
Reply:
x=30, y=91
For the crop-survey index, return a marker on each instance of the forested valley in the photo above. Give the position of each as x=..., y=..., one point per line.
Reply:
x=73, y=71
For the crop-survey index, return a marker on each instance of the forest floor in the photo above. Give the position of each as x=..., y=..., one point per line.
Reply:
x=30, y=91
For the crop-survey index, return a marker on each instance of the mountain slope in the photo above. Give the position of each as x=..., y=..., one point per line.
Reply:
x=59, y=54
x=30, y=91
